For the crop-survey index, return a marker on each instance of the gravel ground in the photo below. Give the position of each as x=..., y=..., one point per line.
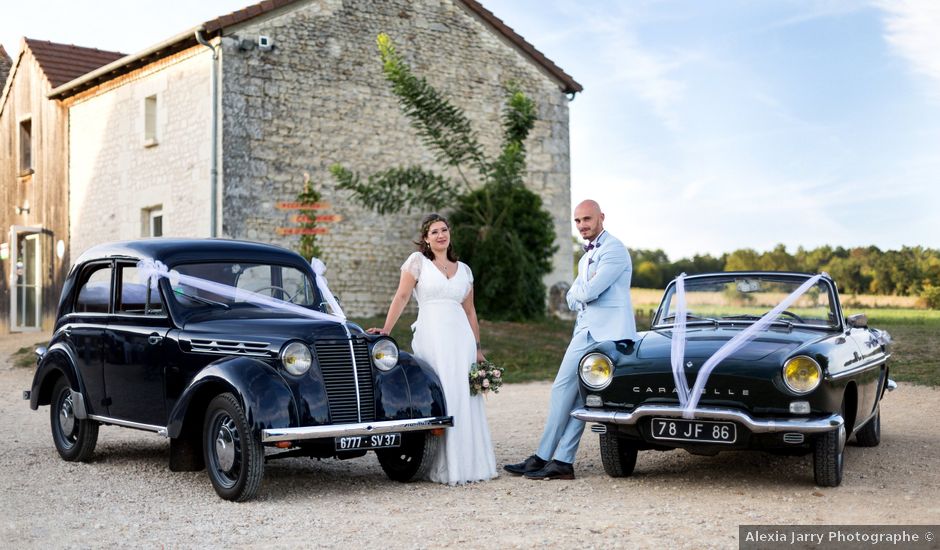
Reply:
x=126, y=496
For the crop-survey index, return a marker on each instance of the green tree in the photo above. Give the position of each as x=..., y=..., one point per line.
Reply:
x=499, y=227
x=308, y=247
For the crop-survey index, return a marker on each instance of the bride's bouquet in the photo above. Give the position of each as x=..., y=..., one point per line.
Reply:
x=485, y=376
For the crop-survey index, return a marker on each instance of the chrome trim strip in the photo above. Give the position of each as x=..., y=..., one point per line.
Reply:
x=859, y=368
x=755, y=425
x=363, y=428
x=161, y=430
x=352, y=353
x=78, y=405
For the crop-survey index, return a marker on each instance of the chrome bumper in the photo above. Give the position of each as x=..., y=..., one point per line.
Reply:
x=755, y=425
x=365, y=428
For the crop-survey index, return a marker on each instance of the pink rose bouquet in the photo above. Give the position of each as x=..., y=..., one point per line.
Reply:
x=484, y=377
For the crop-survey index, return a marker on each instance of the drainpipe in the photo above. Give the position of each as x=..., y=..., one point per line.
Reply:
x=214, y=169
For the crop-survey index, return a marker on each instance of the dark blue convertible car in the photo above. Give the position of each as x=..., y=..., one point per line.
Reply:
x=804, y=383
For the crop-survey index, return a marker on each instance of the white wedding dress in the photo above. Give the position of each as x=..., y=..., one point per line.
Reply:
x=443, y=338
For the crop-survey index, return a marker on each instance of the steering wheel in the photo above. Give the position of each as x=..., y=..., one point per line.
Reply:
x=278, y=288
x=795, y=317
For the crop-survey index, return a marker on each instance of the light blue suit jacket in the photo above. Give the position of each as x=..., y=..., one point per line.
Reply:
x=601, y=292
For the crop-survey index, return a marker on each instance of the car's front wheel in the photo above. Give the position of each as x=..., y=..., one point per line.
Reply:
x=74, y=439
x=234, y=459
x=412, y=460
x=870, y=434
x=829, y=457
x=618, y=455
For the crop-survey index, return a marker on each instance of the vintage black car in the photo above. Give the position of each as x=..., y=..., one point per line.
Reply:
x=805, y=384
x=229, y=351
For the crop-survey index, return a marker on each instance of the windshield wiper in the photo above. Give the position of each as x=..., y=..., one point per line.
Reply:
x=690, y=317
x=200, y=299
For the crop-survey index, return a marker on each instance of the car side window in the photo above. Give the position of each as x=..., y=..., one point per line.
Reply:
x=136, y=297
x=95, y=292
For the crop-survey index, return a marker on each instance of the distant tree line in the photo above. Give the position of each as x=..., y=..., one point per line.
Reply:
x=910, y=271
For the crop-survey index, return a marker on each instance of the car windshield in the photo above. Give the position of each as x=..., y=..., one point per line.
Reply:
x=244, y=282
x=746, y=298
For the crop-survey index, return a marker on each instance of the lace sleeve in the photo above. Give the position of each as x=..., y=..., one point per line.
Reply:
x=469, y=272
x=413, y=264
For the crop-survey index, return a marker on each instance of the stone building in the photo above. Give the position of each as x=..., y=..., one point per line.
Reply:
x=297, y=86
x=34, y=255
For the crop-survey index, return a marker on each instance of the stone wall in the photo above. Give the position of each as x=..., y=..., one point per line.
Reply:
x=115, y=175
x=319, y=97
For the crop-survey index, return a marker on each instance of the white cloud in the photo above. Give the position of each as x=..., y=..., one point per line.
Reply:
x=912, y=28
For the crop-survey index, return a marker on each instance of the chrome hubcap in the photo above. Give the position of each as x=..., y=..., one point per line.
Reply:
x=67, y=415
x=225, y=445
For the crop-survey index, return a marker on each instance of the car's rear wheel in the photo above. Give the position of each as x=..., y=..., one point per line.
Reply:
x=412, y=460
x=829, y=457
x=870, y=434
x=234, y=459
x=618, y=455
x=74, y=439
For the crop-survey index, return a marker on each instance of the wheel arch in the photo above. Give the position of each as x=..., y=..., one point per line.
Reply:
x=262, y=392
x=57, y=362
x=850, y=400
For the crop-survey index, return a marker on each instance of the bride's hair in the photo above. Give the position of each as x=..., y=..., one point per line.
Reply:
x=423, y=245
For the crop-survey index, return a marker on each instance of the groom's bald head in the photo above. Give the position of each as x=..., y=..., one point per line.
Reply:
x=589, y=219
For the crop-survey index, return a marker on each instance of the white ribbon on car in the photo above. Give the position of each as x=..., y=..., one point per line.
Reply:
x=320, y=269
x=149, y=272
x=678, y=342
x=691, y=398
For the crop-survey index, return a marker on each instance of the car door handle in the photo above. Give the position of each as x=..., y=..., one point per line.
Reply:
x=154, y=339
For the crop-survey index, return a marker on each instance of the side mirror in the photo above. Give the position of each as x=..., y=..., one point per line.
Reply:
x=859, y=320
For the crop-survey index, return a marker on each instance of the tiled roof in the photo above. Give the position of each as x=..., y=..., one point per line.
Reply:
x=5, y=64
x=62, y=63
x=214, y=27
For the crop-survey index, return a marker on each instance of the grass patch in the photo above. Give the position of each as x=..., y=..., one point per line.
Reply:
x=529, y=351
x=26, y=357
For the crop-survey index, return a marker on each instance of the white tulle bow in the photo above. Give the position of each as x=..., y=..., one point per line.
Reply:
x=320, y=269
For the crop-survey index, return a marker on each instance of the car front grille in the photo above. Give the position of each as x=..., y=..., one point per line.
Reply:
x=336, y=365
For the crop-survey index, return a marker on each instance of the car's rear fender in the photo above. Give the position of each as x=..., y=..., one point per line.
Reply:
x=259, y=387
x=59, y=360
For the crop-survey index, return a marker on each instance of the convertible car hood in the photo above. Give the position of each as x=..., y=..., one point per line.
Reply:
x=703, y=342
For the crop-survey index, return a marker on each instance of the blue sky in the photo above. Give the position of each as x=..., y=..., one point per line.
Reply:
x=704, y=126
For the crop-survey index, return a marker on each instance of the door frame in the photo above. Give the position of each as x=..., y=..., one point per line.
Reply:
x=15, y=232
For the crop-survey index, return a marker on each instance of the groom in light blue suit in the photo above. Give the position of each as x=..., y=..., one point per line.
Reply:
x=601, y=296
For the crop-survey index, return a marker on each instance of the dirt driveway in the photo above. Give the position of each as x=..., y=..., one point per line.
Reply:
x=128, y=496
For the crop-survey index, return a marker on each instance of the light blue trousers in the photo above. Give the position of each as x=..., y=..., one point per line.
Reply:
x=562, y=431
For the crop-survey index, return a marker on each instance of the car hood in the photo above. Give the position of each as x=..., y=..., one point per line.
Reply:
x=273, y=328
x=703, y=342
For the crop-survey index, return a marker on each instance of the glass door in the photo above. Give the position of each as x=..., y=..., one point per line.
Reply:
x=28, y=291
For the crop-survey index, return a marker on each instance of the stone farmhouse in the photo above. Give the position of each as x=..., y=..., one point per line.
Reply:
x=213, y=132
x=34, y=256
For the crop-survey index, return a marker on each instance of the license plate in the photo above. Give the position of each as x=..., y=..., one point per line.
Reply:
x=376, y=441
x=694, y=430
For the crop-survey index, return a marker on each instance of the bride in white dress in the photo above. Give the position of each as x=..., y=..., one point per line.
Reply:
x=447, y=337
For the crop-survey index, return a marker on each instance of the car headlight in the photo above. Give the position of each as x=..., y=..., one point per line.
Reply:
x=384, y=354
x=596, y=370
x=296, y=358
x=802, y=374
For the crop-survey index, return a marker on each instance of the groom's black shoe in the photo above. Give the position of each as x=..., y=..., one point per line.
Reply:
x=531, y=464
x=553, y=470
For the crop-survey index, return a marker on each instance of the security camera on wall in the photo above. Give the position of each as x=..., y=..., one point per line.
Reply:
x=265, y=42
